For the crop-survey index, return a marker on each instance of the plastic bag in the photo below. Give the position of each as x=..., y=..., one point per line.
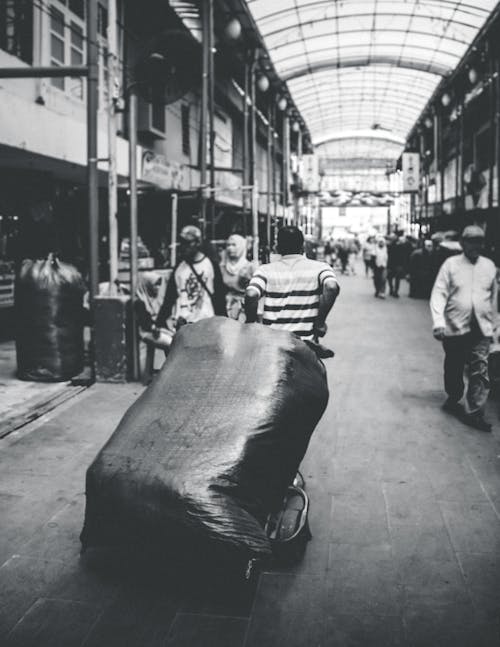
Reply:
x=49, y=320
x=210, y=448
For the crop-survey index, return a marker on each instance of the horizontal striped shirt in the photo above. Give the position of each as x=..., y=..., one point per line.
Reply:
x=291, y=288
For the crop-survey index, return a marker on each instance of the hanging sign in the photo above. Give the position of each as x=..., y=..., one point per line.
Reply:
x=411, y=172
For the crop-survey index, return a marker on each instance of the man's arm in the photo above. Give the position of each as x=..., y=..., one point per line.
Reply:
x=330, y=292
x=252, y=296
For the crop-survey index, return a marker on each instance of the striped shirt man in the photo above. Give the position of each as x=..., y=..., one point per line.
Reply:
x=291, y=288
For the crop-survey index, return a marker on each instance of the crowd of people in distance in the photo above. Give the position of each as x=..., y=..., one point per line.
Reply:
x=389, y=259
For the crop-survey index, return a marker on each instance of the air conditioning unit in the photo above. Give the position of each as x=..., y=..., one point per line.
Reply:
x=151, y=119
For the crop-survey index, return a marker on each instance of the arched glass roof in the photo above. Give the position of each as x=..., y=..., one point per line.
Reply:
x=366, y=64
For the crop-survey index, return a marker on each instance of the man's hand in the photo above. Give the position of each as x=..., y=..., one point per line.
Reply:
x=439, y=333
x=320, y=329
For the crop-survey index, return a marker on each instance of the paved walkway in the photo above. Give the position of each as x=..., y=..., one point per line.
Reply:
x=405, y=516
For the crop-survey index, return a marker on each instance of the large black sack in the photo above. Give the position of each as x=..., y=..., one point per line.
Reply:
x=49, y=320
x=211, y=446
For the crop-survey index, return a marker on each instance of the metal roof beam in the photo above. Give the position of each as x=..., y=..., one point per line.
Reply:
x=383, y=30
x=471, y=9
x=363, y=61
x=360, y=134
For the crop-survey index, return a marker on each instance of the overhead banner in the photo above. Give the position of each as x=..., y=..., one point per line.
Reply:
x=411, y=172
x=309, y=173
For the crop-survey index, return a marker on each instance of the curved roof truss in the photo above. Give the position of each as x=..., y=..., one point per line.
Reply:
x=364, y=64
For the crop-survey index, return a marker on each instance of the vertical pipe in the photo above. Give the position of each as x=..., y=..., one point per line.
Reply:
x=253, y=163
x=497, y=70
x=286, y=158
x=112, y=180
x=245, y=147
x=204, y=118
x=92, y=176
x=93, y=204
x=436, y=134
x=461, y=159
x=132, y=138
x=494, y=126
x=273, y=174
x=211, y=113
x=173, y=238
x=269, y=179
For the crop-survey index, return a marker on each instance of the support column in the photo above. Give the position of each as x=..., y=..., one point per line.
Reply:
x=113, y=241
x=204, y=118
x=134, y=263
x=269, y=179
x=173, y=233
x=244, y=177
x=92, y=105
x=209, y=4
x=494, y=126
x=253, y=165
x=92, y=174
x=286, y=159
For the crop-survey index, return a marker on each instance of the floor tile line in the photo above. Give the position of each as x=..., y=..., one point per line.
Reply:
x=481, y=485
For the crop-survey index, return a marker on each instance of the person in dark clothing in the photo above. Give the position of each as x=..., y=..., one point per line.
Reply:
x=195, y=289
x=421, y=271
x=398, y=252
x=343, y=255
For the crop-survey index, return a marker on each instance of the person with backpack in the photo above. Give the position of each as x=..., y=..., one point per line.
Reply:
x=195, y=289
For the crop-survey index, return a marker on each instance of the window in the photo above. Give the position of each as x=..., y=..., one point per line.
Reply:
x=186, y=143
x=158, y=115
x=57, y=44
x=77, y=7
x=102, y=20
x=76, y=84
x=16, y=28
x=68, y=45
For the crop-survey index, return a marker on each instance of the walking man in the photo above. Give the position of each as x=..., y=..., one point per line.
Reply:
x=195, y=289
x=298, y=292
x=463, y=306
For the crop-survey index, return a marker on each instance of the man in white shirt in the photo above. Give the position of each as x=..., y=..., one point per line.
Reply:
x=195, y=289
x=463, y=306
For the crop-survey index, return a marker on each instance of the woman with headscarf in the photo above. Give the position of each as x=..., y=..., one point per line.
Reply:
x=236, y=274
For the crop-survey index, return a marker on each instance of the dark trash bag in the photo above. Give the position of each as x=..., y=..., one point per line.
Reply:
x=210, y=448
x=49, y=321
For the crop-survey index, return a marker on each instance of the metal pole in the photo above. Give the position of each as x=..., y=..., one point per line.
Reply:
x=245, y=147
x=274, y=174
x=286, y=158
x=269, y=178
x=211, y=112
x=497, y=70
x=92, y=99
x=173, y=238
x=46, y=72
x=253, y=167
x=494, y=125
x=132, y=139
x=204, y=117
x=112, y=179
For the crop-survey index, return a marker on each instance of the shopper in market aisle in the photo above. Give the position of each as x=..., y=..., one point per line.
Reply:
x=195, y=289
x=380, y=268
x=298, y=292
x=463, y=307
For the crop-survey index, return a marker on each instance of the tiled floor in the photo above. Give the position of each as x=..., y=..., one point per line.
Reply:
x=405, y=516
